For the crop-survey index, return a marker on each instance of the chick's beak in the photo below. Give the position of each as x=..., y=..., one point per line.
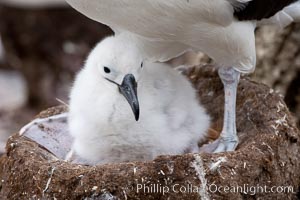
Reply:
x=128, y=89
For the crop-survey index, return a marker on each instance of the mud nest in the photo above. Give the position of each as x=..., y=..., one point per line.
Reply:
x=265, y=165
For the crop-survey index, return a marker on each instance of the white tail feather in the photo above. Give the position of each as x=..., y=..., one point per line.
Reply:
x=285, y=17
x=294, y=11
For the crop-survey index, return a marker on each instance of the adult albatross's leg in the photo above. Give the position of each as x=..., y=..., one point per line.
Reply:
x=228, y=139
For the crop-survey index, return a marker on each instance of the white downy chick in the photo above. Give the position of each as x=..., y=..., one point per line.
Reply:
x=124, y=109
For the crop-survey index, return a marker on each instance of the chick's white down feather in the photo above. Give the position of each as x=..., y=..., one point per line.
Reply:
x=101, y=120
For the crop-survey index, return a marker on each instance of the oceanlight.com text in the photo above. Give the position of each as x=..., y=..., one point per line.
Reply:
x=211, y=188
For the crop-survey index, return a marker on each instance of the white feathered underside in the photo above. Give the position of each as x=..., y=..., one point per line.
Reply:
x=175, y=26
x=118, y=13
x=167, y=28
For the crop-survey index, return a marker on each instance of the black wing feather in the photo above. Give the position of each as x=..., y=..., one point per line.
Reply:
x=259, y=9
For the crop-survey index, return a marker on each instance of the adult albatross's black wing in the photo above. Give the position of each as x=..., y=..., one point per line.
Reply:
x=260, y=9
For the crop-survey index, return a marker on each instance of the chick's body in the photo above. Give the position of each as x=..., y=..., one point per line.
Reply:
x=105, y=131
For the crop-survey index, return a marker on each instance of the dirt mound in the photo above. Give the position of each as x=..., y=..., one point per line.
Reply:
x=265, y=165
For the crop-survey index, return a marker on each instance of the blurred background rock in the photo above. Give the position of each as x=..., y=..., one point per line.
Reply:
x=44, y=43
x=278, y=63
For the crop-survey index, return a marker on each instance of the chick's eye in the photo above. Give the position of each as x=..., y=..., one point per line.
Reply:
x=142, y=64
x=106, y=70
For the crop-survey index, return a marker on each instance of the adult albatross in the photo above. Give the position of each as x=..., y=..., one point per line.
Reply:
x=223, y=29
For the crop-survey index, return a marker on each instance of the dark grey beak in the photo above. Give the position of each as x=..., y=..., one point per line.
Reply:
x=129, y=90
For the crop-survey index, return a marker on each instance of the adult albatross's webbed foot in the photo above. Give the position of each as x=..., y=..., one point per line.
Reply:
x=228, y=139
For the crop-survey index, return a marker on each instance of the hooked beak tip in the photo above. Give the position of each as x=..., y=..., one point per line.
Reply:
x=137, y=114
x=136, y=118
